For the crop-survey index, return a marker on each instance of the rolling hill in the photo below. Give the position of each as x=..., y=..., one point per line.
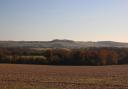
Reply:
x=61, y=44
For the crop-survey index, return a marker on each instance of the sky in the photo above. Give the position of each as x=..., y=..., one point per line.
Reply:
x=80, y=20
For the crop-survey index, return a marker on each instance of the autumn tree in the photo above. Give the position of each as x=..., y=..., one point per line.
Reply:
x=114, y=57
x=103, y=56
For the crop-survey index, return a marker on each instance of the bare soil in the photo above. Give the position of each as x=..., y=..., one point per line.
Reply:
x=17, y=76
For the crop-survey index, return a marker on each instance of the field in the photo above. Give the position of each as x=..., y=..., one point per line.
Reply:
x=16, y=76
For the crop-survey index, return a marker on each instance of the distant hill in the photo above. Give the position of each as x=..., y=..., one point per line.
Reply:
x=61, y=44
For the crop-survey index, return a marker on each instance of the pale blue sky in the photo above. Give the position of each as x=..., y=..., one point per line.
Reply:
x=83, y=20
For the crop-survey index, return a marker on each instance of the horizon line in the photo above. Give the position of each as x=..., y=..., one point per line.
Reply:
x=65, y=39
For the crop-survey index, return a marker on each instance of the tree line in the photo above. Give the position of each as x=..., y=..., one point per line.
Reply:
x=64, y=56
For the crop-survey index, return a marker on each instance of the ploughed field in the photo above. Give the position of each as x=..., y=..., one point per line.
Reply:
x=17, y=76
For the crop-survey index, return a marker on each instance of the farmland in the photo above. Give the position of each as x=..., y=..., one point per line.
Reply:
x=20, y=76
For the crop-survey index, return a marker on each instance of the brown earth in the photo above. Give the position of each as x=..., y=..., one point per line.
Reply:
x=16, y=76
